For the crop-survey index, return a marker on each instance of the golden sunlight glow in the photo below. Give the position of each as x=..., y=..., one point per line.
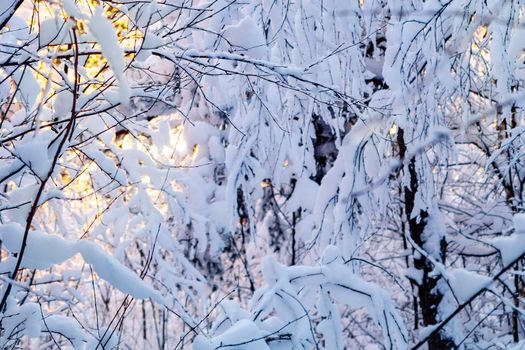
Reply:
x=145, y=179
x=82, y=183
x=181, y=147
x=481, y=32
x=393, y=129
x=480, y=57
x=195, y=151
x=177, y=140
x=167, y=152
x=125, y=142
x=176, y=186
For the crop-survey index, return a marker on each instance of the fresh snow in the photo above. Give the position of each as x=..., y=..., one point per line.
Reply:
x=43, y=251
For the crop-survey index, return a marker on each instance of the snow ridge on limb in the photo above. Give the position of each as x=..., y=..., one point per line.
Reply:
x=44, y=251
x=282, y=311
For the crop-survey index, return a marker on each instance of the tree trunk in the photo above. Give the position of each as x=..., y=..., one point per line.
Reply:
x=429, y=295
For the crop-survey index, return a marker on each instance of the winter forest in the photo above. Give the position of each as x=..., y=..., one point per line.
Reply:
x=262, y=174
